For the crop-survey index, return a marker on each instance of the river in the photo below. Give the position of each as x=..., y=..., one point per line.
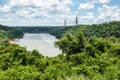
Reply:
x=42, y=42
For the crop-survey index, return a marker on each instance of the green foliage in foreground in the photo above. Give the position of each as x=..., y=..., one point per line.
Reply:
x=83, y=58
x=89, y=59
x=71, y=44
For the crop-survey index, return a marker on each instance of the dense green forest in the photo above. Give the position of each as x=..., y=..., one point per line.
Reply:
x=90, y=52
x=99, y=30
x=38, y=29
x=7, y=33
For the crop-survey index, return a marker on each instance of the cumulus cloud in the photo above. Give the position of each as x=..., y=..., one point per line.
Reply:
x=90, y=4
x=38, y=10
x=109, y=13
x=53, y=12
x=1, y=20
x=104, y=1
x=5, y=8
x=87, y=5
x=100, y=1
x=89, y=18
x=100, y=14
x=89, y=15
x=105, y=13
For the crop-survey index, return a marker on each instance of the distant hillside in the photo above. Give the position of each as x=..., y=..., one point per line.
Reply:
x=52, y=30
x=7, y=33
x=98, y=30
x=38, y=29
x=103, y=30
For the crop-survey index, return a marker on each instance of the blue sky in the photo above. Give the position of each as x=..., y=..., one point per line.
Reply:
x=53, y=12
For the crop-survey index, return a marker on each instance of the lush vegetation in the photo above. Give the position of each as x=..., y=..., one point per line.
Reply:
x=85, y=57
x=98, y=30
x=95, y=58
x=39, y=29
x=7, y=33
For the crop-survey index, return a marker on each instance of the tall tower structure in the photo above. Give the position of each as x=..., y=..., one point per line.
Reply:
x=64, y=22
x=76, y=21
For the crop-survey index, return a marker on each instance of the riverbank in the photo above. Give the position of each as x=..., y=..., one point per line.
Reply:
x=13, y=41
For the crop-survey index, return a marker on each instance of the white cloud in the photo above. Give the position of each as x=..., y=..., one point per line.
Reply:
x=53, y=12
x=22, y=12
x=1, y=20
x=9, y=20
x=67, y=2
x=90, y=4
x=88, y=19
x=43, y=4
x=5, y=8
x=104, y=1
x=100, y=1
x=104, y=13
x=89, y=15
x=37, y=11
x=87, y=5
x=109, y=13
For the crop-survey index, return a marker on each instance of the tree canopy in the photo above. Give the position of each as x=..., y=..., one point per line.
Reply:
x=91, y=52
